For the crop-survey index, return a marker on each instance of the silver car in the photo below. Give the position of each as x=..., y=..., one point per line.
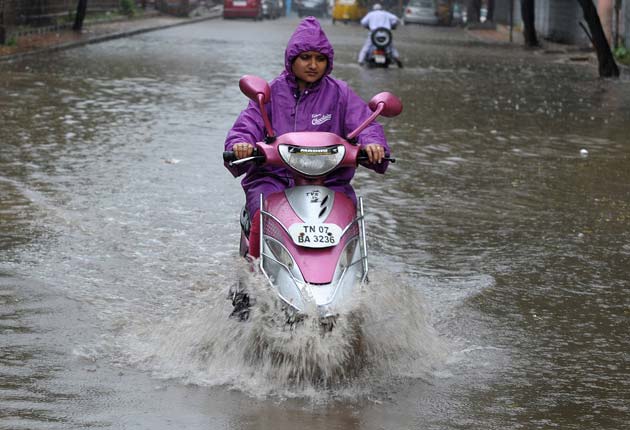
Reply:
x=421, y=12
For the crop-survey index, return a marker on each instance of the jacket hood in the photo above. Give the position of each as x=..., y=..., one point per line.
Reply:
x=308, y=36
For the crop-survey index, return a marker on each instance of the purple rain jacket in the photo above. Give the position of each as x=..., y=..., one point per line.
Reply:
x=327, y=105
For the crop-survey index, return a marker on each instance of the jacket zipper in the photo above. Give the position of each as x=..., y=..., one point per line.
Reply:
x=297, y=102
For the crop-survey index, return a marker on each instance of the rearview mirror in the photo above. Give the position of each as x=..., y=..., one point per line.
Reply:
x=385, y=104
x=253, y=87
x=392, y=105
x=257, y=89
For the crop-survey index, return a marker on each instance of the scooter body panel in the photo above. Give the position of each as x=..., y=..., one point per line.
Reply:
x=327, y=276
x=313, y=206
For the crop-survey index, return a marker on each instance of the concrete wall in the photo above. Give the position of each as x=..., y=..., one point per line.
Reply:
x=626, y=14
x=502, y=12
x=556, y=20
x=559, y=21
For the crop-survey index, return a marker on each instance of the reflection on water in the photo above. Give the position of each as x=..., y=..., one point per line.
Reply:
x=118, y=240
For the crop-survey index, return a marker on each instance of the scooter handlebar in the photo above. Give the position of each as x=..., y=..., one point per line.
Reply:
x=230, y=157
x=364, y=157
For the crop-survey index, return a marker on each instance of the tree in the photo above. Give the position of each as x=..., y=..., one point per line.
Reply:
x=473, y=11
x=607, y=65
x=529, y=27
x=490, y=11
x=3, y=33
x=80, y=16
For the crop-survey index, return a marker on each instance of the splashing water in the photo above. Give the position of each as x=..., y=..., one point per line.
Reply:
x=384, y=334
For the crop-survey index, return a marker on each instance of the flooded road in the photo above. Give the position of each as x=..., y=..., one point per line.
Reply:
x=500, y=249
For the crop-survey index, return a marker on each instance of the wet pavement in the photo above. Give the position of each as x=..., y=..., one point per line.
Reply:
x=500, y=240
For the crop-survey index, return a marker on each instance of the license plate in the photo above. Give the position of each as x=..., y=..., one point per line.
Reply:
x=239, y=3
x=380, y=59
x=315, y=235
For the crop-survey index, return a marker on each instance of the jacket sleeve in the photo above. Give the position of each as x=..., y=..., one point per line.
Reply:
x=248, y=128
x=393, y=20
x=365, y=20
x=358, y=111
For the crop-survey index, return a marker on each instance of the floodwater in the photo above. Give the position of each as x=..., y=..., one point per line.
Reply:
x=500, y=242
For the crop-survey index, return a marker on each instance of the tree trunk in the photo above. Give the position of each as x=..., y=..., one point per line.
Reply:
x=607, y=65
x=81, y=11
x=490, y=11
x=3, y=32
x=473, y=10
x=529, y=23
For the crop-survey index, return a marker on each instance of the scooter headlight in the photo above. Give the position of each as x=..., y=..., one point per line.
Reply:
x=312, y=161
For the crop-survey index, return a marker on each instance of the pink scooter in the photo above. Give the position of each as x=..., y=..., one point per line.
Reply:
x=313, y=243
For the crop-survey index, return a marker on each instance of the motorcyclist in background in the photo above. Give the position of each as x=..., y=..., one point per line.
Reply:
x=378, y=18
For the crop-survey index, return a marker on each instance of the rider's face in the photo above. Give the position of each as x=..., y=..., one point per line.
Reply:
x=309, y=67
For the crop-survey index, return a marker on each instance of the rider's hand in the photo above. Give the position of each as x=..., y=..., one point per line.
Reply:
x=242, y=150
x=375, y=152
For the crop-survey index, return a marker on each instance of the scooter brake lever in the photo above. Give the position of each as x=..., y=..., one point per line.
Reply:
x=391, y=160
x=230, y=158
x=245, y=160
x=363, y=157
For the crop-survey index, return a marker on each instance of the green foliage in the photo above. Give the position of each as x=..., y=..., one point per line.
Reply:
x=622, y=54
x=12, y=41
x=128, y=7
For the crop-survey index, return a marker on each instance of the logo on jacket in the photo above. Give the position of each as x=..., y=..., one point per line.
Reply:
x=320, y=118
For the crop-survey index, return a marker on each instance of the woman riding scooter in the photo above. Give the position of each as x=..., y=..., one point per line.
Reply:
x=304, y=97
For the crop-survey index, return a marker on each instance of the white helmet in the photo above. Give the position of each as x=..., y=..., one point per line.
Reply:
x=377, y=6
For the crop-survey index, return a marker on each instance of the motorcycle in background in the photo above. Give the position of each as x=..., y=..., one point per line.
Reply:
x=380, y=53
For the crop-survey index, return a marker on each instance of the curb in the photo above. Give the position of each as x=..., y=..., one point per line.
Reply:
x=494, y=34
x=104, y=38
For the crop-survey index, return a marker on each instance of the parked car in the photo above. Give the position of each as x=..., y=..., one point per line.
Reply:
x=243, y=9
x=272, y=9
x=421, y=12
x=312, y=8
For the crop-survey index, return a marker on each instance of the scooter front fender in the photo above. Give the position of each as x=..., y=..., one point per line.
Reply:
x=325, y=276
